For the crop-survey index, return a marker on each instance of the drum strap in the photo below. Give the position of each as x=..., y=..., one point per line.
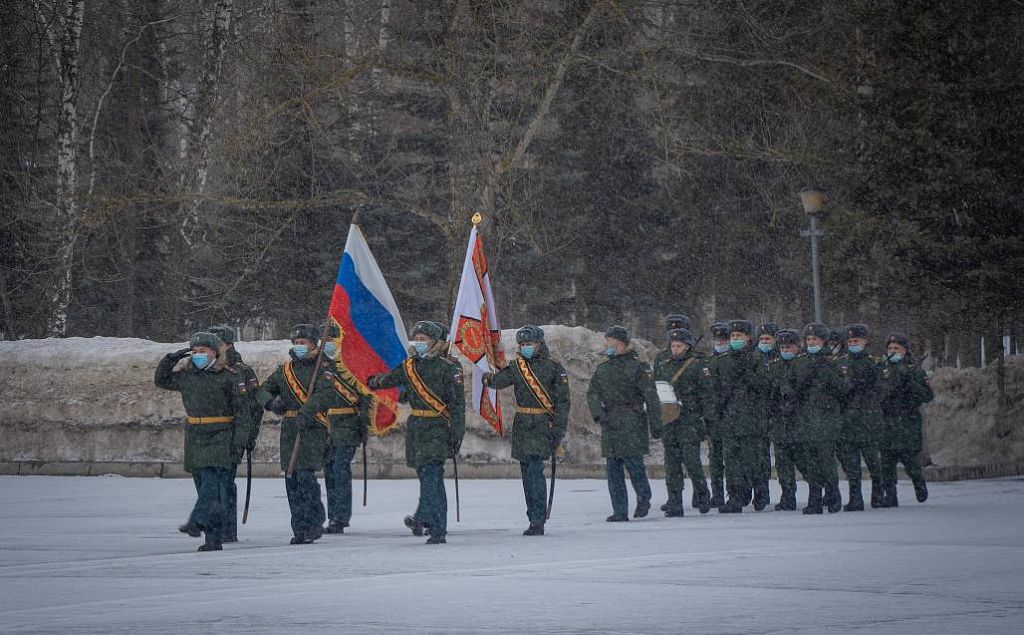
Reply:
x=679, y=373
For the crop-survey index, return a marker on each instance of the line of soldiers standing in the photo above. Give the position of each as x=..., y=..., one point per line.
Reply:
x=744, y=398
x=814, y=396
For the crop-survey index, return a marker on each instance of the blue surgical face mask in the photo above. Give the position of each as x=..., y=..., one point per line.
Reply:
x=764, y=348
x=814, y=350
x=330, y=349
x=200, y=360
x=737, y=344
x=721, y=348
x=855, y=348
x=300, y=351
x=421, y=348
x=787, y=355
x=527, y=351
x=610, y=351
x=894, y=358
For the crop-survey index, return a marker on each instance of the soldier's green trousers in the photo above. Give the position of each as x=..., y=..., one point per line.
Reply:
x=850, y=452
x=815, y=459
x=617, y=482
x=911, y=460
x=338, y=482
x=231, y=515
x=211, y=501
x=716, y=457
x=307, y=510
x=432, y=509
x=680, y=454
x=534, y=488
x=743, y=469
x=785, y=466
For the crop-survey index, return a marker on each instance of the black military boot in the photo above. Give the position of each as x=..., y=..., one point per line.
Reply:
x=732, y=506
x=856, y=503
x=891, y=498
x=814, y=505
x=877, y=495
x=414, y=525
x=717, y=493
x=787, y=503
x=617, y=518
x=299, y=540
x=695, y=499
x=192, y=529
x=704, y=502
x=535, y=529
x=211, y=545
x=921, y=491
x=761, y=496
x=642, y=508
x=438, y=539
x=336, y=527
x=674, y=505
x=833, y=500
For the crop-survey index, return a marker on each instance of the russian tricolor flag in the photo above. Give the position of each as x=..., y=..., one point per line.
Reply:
x=373, y=334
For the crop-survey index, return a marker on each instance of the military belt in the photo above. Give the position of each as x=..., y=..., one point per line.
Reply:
x=429, y=414
x=530, y=411
x=342, y=411
x=636, y=407
x=205, y=420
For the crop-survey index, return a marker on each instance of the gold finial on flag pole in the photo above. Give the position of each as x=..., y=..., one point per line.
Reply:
x=477, y=218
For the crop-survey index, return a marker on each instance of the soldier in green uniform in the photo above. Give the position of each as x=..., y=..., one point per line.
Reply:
x=624, y=402
x=862, y=417
x=713, y=412
x=741, y=388
x=542, y=415
x=284, y=393
x=672, y=322
x=436, y=425
x=904, y=390
x=683, y=435
x=233, y=360
x=784, y=411
x=820, y=389
x=216, y=401
x=348, y=407
x=766, y=353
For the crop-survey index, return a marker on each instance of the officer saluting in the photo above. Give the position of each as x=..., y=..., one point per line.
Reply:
x=219, y=421
x=624, y=402
x=542, y=415
x=233, y=360
x=436, y=425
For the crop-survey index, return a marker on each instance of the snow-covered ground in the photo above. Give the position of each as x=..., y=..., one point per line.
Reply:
x=103, y=554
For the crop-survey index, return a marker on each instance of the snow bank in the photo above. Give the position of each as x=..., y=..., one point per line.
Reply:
x=92, y=401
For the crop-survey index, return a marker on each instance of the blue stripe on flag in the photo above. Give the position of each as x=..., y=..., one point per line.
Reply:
x=375, y=323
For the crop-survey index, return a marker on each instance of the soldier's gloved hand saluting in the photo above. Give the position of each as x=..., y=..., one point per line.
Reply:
x=180, y=354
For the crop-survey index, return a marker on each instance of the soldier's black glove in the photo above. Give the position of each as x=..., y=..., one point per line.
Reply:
x=277, y=406
x=656, y=434
x=305, y=422
x=180, y=354
x=373, y=381
x=251, y=445
x=486, y=379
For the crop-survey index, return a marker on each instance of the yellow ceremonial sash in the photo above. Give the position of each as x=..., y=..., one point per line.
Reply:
x=300, y=393
x=421, y=389
x=536, y=389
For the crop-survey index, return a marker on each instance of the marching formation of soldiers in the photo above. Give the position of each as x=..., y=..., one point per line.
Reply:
x=807, y=398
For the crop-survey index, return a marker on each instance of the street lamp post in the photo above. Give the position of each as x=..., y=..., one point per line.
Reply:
x=813, y=200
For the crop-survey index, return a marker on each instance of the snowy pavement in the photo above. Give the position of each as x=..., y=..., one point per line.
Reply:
x=103, y=554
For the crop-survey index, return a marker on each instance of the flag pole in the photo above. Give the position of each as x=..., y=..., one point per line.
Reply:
x=293, y=459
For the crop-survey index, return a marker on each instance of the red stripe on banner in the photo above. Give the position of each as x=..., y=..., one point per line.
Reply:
x=361, y=359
